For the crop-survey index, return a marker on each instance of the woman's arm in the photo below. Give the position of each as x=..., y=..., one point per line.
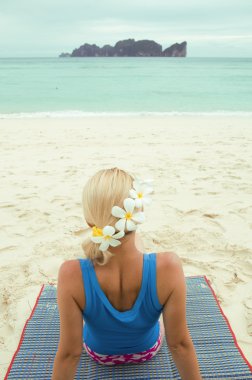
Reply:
x=71, y=325
x=174, y=316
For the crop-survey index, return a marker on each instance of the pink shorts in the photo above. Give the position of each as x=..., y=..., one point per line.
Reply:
x=126, y=358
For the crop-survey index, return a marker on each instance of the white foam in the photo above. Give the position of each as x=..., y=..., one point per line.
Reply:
x=80, y=114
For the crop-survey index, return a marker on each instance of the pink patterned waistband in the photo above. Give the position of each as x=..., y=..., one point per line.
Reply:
x=125, y=358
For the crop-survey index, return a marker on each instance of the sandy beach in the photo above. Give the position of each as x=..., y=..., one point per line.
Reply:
x=201, y=208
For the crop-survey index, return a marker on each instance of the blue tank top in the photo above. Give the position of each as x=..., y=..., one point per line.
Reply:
x=110, y=331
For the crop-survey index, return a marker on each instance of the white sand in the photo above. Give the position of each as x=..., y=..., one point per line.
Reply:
x=201, y=209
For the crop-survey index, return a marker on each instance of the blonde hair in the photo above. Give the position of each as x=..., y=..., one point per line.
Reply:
x=107, y=188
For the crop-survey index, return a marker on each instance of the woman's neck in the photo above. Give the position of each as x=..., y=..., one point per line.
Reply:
x=131, y=246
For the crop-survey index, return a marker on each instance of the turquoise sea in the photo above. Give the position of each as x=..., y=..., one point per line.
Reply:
x=87, y=86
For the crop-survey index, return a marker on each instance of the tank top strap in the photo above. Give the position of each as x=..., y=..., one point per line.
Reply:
x=85, y=271
x=153, y=279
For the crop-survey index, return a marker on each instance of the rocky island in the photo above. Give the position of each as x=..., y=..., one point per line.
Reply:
x=129, y=48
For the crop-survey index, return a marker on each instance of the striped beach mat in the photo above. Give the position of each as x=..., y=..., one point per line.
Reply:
x=217, y=350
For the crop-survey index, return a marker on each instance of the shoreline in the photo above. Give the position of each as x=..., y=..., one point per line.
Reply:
x=201, y=206
x=73, y=114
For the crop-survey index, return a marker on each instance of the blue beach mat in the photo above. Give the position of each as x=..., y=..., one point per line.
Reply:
x=217, y=350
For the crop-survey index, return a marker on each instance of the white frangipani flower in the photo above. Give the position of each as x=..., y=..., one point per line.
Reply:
x=140, y=193
x=106, y=237
x=127, y=216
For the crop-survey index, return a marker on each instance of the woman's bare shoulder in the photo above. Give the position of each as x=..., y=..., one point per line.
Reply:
x=69, y=267
x=70, y=270
x=168, y=264
x=168, y=259
x=70, y=274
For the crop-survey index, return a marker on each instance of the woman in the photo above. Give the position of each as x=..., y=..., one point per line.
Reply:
x=119, y=303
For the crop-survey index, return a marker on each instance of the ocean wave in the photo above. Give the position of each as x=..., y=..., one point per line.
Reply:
x=80, y=114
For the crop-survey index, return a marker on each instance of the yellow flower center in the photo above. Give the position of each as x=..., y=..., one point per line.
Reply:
x=107, y=237
x=97, y=231
x=140, y=195
x=128, y=215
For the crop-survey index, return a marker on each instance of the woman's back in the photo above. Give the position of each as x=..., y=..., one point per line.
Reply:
x=121, y=281
x=109, y=330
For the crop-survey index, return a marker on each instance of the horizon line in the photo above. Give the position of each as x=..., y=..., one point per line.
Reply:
x=57, y=56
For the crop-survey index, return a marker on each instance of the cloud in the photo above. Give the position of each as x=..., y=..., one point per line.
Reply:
x=49, y=27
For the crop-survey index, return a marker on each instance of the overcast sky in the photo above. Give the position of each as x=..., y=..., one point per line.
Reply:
x=215, y=28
